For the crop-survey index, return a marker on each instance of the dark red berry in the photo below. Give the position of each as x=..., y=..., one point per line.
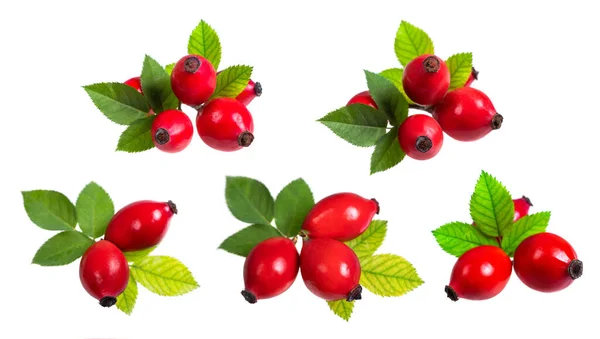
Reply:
x=252, y=90
x=172, y=131
x=225, y=124
x=136, y=83
x=140, y=225
x=480, y=273
x=472, y=77
x=330, y=269
x=426, y=79
x=340, y=216
x=364, y=98
x=270, y=269
x=104, y=272
x=547, y=263
x=420, y=137
x=193, y=80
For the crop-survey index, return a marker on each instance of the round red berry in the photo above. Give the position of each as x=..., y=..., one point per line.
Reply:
x=193, y=80
x=364, y=98
x=172, y=131
x=426, y=79
x=420, y=137
x=522, y=206
x=252, y=90
x=225, y=124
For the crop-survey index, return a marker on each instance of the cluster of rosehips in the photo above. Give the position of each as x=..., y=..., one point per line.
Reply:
x=464, y=113
x=104, y=269
x=224, y=124
x=330, y=269
x=544, y=262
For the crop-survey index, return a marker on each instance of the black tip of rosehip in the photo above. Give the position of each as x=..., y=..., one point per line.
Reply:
x=108, y=301
x=527, y=200
x=376, y=203
x=162, y=136
x=451, y=293
x=245, y=139
x=258, y=89
x=575, y=269
x=191, y=64
x=423, y=144
x=172, y=206
x=475, y=73
x=497, y=121
x=431, y=64
x=249, y=296
x=355, y=294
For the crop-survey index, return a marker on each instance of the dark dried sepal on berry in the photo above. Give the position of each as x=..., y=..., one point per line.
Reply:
x=575, y=269
x=108, y=301
x=355, y=294
x=249, y=296
x=451, y=293
x=245, y=139
x=497, y=121
x=258, y=89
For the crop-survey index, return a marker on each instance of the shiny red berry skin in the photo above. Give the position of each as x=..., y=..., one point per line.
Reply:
x=252, y=90
x=172, y=131
x=140, y=225
x=225, y=124
x=193, y=80
x=136, y=83
x=330, y=269
x=364, y=98
x=104, y=272
x=270, y=269
x=480, y=273
x=426, y=79
x=522, y=206
x=340, y=216
x=547, y=263
x=420, y=137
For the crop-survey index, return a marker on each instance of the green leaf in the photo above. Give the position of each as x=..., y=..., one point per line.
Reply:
x=292, y=206
x=366, y=244
x=136, y=256
x=165, y=276
x=242, y=242
x=458, y=237
x=358, y=124
x=523, y=228
x=460, y=66
x=62, y=249
x=249, y=200
x=156, y=85
x=491, y=206
x=120, y=103
x=126, y=300
x=169, y=68
x=50, y=210
x=387, y=152
x=232, y=81
x=204, y=41
x=342, y=308
x=395, y=76
x=137, y=137
x=387, y=97
x=411, y=42
x=389, y=275
x=94, y=210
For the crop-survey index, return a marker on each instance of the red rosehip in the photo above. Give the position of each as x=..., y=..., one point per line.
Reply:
x=225, y=124
x=172, y=131
x=252, y=90
x=270, y=269
x=546, y=262
x=140, y=225
x=420, y=137
x=193, y=80
x=330, y=269
x=522, y=206
x=104, y=272
x=480, y=273
x=467, y=114
x=364, y=98
x=136, y=83
x=426, y=79
x=340, y=216
x=472, y=77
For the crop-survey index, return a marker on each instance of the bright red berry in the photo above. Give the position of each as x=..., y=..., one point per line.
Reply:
x=364, y=98
x=547, y=263
x=480, y=273
x=340, y=216
x=426, y=79
x=225, y=124
x=252, y=90
x=104, y=272
x=522, y=206
x=172, y=131
x=193, y=80
x=420, y=137
x=136, y=83
x=330, y=269
x=472, y=77
x=140, y=225
x=270, y=269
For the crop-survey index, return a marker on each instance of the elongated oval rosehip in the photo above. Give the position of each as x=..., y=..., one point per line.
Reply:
x=225, y=124
x=340, y=216
x=364, y=98
x=472, y=77
x=547, y=263
x=270, y=269
x=104, y=272
x=193, y=80
x=252, y=90
x=172, y=131
x=480, y=273
x=420, y=137
x=426, y=79
x=136, y=83
x=140, y=225
x=330, y=269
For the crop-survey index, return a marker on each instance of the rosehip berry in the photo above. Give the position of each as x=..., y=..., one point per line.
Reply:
x=136, y=83
x=172, y=131
x=104, y=272
x=340, y=216
x=467, y=114
x=330, y=269
x=364, y=98
x=140, y=225
x=193, y=80
x=420, y=137
x=426, y=79
x=480, y=273
x=225, y=124
x=252, y=90
x=472, y=77
x=522, y=206
x=547, y=263
x=270, y=269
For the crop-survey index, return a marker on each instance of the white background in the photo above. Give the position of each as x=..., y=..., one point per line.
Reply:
x=538, y=64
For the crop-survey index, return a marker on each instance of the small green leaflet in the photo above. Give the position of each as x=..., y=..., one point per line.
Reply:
x=205, y=42
x=387, y=152
x=460, y=66
x=370, y=240
x=249, y=200
x=411, y=42
x=242, y=242
x=395, y=76
x=120, y=103
x=156, y=84
x=491, y=206
x=136, y=256
x=164, y=276
x=342, y=308
x=62, y=249
x=232, y=81
x=169, y=68
x=292, y=206
x=137, y=137
x=50, y=210
x=358, y=124
x=126, y=301
x=523, y=228
x=388, y=275
x=94, y=210
x=388, y=98
x=458, y=237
